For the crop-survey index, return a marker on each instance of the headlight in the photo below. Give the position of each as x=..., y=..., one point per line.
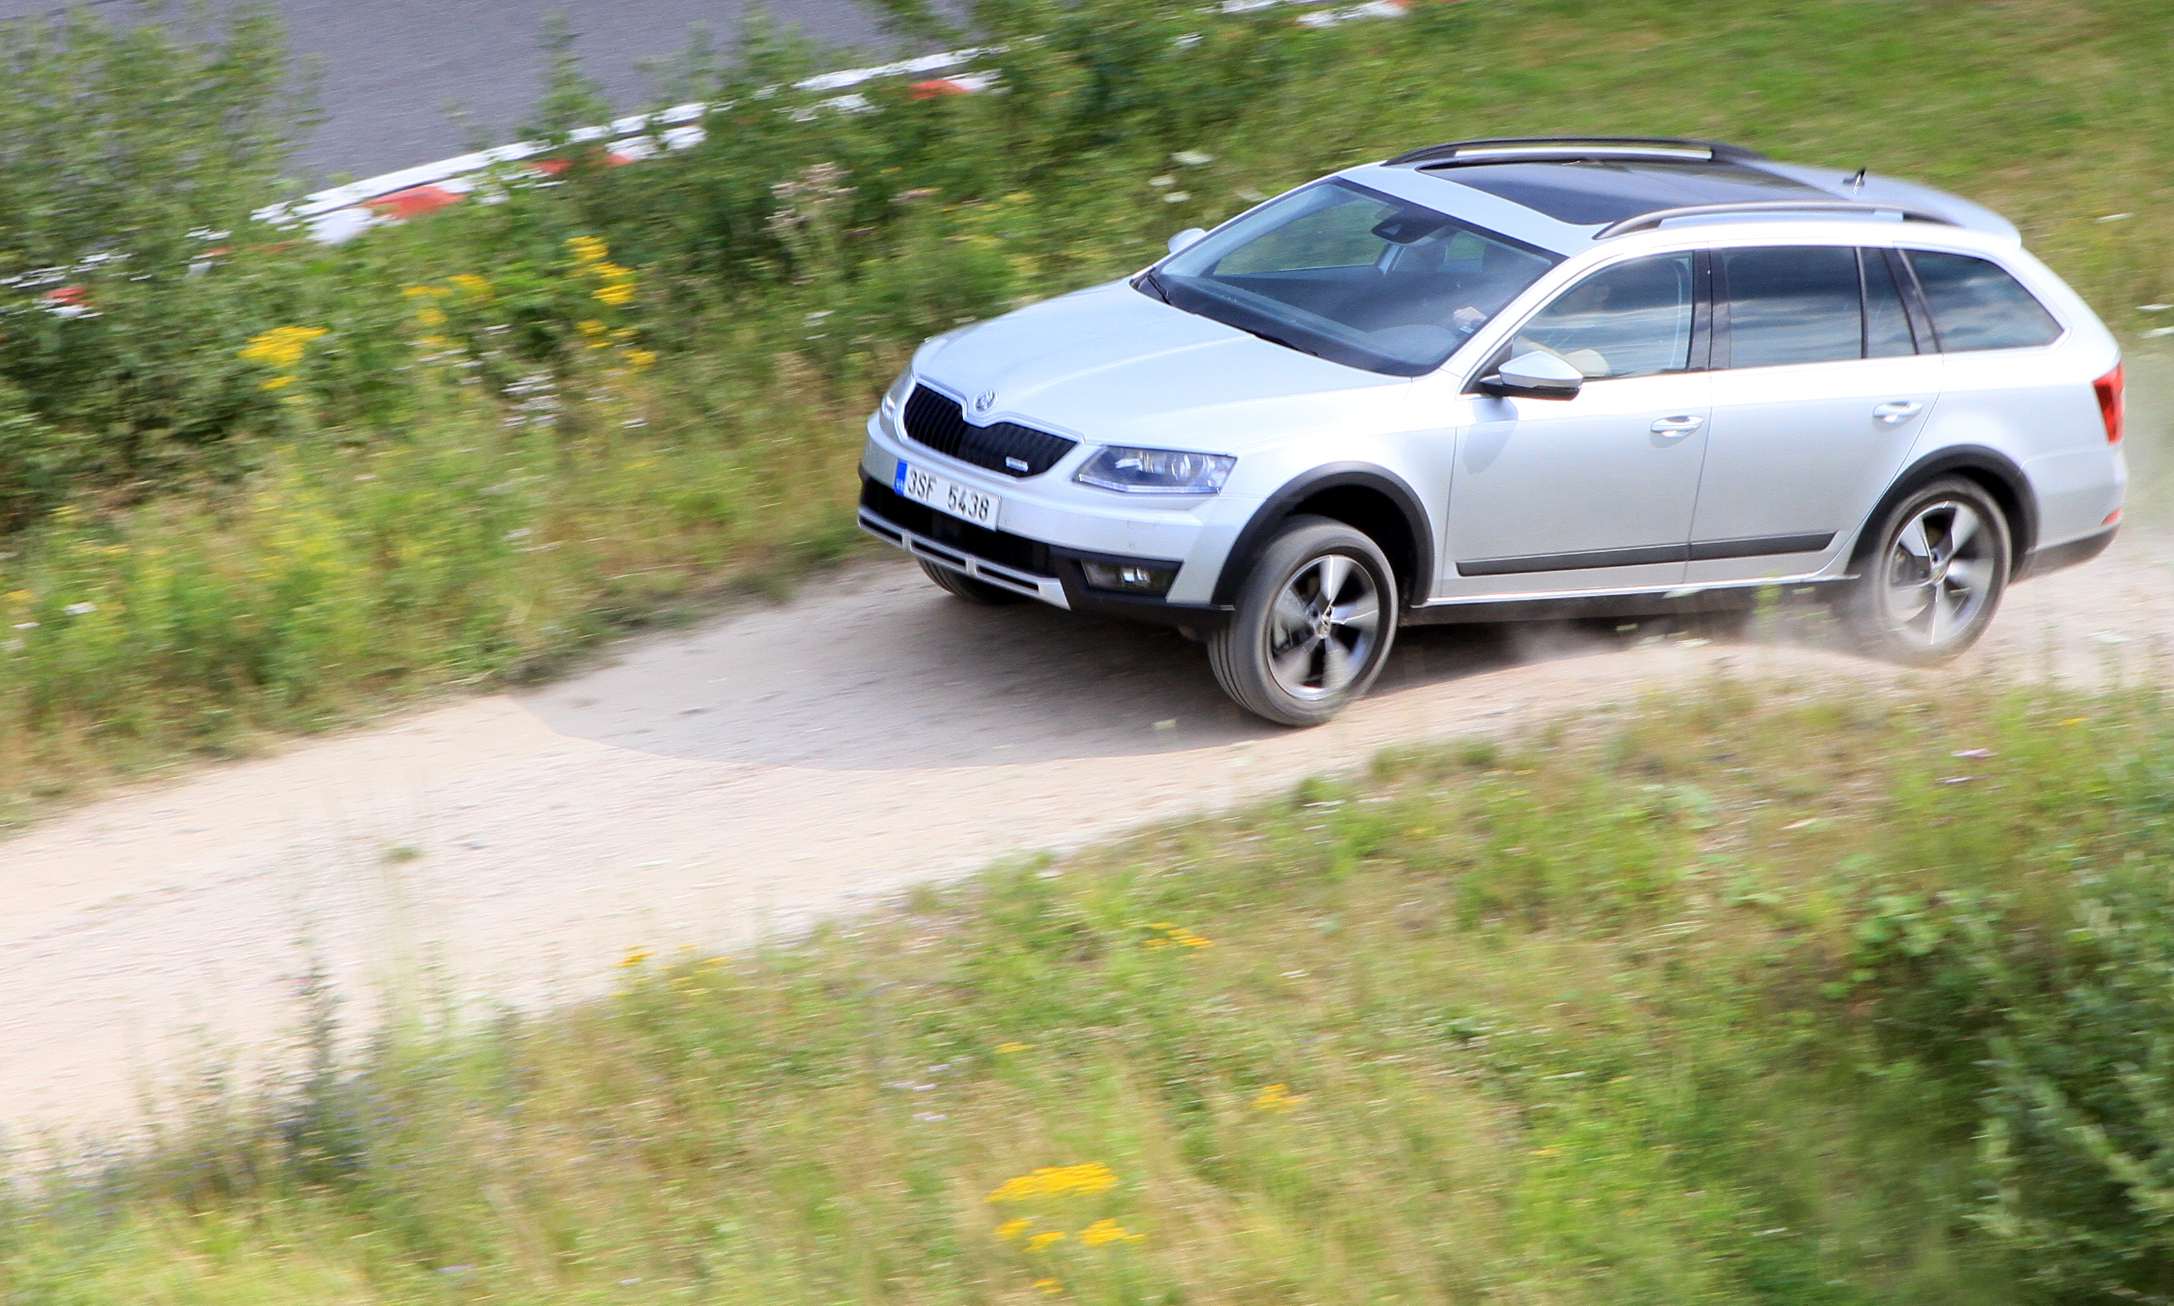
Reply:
x=1156, y=471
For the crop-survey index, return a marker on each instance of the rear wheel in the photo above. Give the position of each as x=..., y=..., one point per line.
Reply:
x=966, y=587
x=1313, y=625
x=1934, y=576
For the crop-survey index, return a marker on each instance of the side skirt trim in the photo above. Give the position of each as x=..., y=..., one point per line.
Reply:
x=1759, y=546
x=1621, y=603
x=1574, y=561
x=1756, y=546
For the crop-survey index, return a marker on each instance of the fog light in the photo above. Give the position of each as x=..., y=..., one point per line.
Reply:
x=1130, y=577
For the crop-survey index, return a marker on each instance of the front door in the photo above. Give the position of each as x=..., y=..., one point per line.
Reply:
x=1819, y=394
x=1594, y=492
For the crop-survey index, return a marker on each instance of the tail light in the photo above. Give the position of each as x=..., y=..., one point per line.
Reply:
x=2108, y=388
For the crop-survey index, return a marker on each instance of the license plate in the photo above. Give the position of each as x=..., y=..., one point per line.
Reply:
x=946, y=496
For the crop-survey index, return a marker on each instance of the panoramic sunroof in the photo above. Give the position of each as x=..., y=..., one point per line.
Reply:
x=1584, y=194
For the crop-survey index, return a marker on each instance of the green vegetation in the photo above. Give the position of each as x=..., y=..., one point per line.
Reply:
x=265, y=489
x=1740, y=997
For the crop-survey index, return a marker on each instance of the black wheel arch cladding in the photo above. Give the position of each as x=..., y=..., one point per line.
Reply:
x=1372, y=500
x=1994, y=471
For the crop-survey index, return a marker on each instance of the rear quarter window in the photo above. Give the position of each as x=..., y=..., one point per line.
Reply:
x=1977, y=305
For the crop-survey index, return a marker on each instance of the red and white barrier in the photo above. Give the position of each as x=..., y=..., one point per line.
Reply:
x=343, y=212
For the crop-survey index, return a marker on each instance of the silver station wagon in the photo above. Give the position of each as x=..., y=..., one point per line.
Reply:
x=1519, y=378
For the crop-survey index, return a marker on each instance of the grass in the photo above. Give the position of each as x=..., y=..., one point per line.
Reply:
x=530, y=493
x=1743, y=996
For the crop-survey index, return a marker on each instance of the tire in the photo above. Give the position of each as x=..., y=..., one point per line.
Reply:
x=966, y=587
x=1286, y=655
x=1934, y=576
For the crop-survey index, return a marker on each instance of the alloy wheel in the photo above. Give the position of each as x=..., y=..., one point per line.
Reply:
x=1938, y=574
x=1323, y=627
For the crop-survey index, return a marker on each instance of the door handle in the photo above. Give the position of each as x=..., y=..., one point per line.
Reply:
x=1896, y=412
x=1677, y=425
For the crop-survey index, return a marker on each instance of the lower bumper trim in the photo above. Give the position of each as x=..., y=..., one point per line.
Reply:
x=1048, y=589
x=2057, y=556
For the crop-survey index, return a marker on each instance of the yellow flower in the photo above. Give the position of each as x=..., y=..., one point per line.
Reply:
x=1013, y=1229
x=588, y=249
x=1041, y=1240
x=1103, y=1232
x=1013, y=1047
x=1057, y=1181
x=617, y=294
x=634, y=957
x=1277, y=1099
x=473, y=284
x=641, y=359
x=280, y=347
x=420, y=292
x=592, y=328
x=1050, y=1286
x=1170, y=935
x=276, y=383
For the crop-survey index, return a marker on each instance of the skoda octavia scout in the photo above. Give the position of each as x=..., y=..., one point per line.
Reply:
x=1505, y=378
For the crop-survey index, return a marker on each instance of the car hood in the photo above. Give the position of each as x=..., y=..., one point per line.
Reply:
x=1112, y=365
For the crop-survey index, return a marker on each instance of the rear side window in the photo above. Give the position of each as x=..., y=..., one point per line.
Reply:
x=1887, y=326
x=1976, y=305
x=1793, y=304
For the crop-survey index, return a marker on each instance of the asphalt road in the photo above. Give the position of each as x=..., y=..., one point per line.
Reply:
x=409, y=81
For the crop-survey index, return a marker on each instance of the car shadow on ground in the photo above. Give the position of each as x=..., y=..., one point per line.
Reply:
x=906, y=677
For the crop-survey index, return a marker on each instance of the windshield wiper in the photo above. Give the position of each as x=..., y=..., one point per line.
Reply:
x=1279, y=340
x=1152, y=284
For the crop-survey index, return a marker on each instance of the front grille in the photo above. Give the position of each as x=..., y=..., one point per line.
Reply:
x=936, y=420
x=1000, y=547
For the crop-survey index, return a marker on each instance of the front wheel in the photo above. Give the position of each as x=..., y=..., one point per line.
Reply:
x=1934, y=576
x=1313, y=625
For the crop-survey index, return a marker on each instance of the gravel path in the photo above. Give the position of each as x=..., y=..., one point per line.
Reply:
x=737, y=779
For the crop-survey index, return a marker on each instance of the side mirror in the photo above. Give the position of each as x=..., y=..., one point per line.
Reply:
x=1186, y=237
x=1534, y=376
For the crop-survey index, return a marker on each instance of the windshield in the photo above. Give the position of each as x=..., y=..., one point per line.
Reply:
x=1351, y=275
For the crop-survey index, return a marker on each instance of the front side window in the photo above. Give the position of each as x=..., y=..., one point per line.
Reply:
x=1976, y=305
x=1634, y=319
x=1793, y=304
x=1351, y=275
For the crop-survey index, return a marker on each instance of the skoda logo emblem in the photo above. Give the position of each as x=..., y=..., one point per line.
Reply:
x=985, y=401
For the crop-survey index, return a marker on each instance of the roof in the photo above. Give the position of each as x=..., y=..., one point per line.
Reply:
x=1564, y=192
x=1585, y=193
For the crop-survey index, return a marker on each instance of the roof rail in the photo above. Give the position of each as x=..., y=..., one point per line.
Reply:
x=1574, y=149
x=1859, y=208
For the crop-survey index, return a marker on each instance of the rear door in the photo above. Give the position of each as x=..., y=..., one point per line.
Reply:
x=1594, y=492
x=1820, y=391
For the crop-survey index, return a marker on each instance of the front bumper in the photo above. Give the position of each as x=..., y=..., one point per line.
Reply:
x=1029, y=567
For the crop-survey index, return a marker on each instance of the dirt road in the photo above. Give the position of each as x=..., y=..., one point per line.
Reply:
x=713, y=785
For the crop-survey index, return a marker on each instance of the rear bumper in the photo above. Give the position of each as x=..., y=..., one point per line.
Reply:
x=2057, y=556
x=1033, y=568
